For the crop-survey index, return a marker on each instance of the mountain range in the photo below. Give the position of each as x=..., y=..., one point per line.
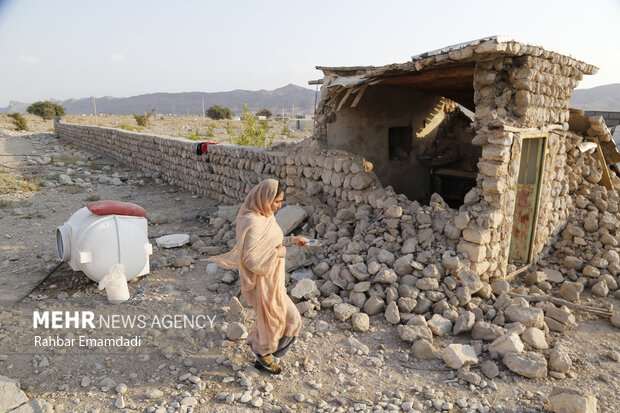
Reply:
x=289, y=99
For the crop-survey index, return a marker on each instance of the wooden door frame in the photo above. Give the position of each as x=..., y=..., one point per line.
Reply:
x=545, y=137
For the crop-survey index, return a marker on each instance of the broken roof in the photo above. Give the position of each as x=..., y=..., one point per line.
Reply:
x=447, y=71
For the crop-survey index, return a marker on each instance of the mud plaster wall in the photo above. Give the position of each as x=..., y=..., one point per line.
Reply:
x=364, y=130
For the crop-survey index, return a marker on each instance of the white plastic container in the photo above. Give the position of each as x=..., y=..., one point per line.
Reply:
x=115, y=285
x=95, y=243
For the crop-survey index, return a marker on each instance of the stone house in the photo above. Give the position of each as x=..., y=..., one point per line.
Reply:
x=504, y=166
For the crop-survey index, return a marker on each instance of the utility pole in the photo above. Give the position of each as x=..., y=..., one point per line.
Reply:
x=95, y=105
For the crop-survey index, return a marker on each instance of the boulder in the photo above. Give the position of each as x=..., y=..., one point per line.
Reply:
x=236, y=331
x=528, y=316
x=392, y=315
x=439, y=325
x=535, y=338
x=528, y=364
x=423, y=349
x=360, y=322
x=373, y=305
x=486, y=331
x=11, y=395
x=464, y=323
x=304, y=289
x=411, y=333
x=343, y=311
x=459, y=355
x=559, y=359
x=508, y=343
x=571, y=290
x=572, y=401
x=290, y=217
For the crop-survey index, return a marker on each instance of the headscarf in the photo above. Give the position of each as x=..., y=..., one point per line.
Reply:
x=253, y=213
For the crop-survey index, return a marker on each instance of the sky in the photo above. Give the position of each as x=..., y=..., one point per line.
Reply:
x=80, y=48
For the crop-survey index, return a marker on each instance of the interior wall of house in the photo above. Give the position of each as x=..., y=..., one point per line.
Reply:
x=438, y=136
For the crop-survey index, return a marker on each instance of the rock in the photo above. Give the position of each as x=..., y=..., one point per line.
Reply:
x=356, y=345
x=119, y=403
x=313, y=188
x=615, y=320
x=470, y=377
x=553, y=276
x=409, y=246
x=572, y=401
x=591, y=271
x=156, y=218
x=413, y=333
x=373, y=305
x=427, y=284
x=571, y=290
x=385, y=276
x=535, y=338
x=423, y=349
x=470, y=280
x=191, y=401
x=439, y=325
x=562, y=315
x=154, y=394
x=490, y=369
x=35, y=406
x=464, y=323
x=235, y=312
x=498, y=287
x=228, y=212
x=359, y=271
x=535, y=277
x=296, y=257
x=573, y=262
x=183, y=261
x=528, y=364
x=11, y=395
x=343, y=311
x=320, y=269
x=600, y=289
x=402, y=265
x=508, y=343
x=121, y=388
x=236, y=331
x=360, y=322
x=331, y=301
x=385, y=257
x=407, y=304
x=559, y=359
x=65, y=180
x=392, y=315
x=459, y=355
x=528, y=316
x=290, y=217
x=85, y=381
x=486, y=331
x=305, y=288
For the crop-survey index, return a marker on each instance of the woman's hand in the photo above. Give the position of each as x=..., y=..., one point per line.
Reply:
x=299, y=240
x=281, y=251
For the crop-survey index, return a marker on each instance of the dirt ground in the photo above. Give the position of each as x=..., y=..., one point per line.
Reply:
x=185, y=126
x=197, y=368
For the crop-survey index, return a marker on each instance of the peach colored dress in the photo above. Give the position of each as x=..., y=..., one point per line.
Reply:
x=262, y=271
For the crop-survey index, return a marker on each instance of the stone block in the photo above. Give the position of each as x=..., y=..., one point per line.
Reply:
x=459, y=355
x=528, y=364
x=290, y=217
x=572, y=401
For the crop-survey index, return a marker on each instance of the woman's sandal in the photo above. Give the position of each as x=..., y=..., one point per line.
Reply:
x=267, y=363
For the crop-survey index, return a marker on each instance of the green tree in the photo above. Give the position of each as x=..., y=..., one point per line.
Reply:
x=264, y=112
x=142, y=120
x=19, y=121
x=46, y=109
x=254, y=133
x=219, y=112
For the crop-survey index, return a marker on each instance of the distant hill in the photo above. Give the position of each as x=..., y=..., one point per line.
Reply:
x=606, y=97
x=287, y=99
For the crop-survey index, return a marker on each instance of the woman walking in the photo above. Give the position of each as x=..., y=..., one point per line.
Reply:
x=259, y=255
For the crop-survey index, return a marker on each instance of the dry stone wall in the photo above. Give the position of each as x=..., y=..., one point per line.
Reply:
x=227, y=172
